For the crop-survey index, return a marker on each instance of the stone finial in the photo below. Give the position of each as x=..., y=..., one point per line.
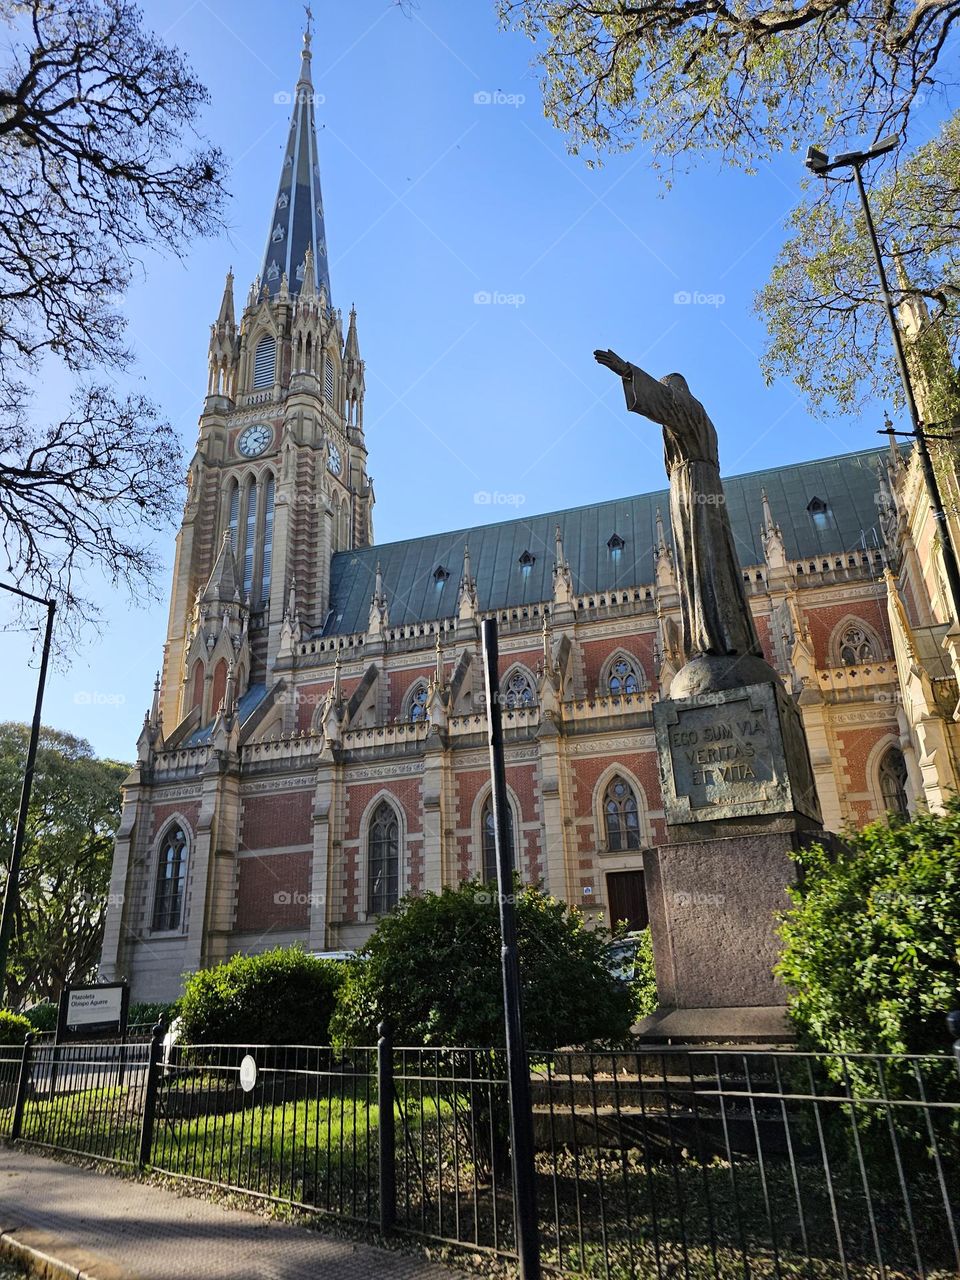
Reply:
x=666, y=579
x=562, y=578
x=771, y=536
x=467, y=608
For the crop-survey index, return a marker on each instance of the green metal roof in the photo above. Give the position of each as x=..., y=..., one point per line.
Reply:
x=847, y=484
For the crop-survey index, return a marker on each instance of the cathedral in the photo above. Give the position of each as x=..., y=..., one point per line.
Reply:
x=316, y=746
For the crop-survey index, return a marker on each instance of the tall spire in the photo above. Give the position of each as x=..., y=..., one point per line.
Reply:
x=296, y=223
x=226, y=316
x=351, y=350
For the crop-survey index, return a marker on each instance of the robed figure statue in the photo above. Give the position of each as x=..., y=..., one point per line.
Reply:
x=716, y=619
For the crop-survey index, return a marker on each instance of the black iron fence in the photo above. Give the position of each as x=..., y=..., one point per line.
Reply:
x=666, y=1162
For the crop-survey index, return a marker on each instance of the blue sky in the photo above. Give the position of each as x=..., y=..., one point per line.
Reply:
x=432, y=197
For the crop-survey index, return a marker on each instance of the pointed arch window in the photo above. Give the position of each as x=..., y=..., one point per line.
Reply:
x=624, y=677
x=171, y=879
x=893, y=782
x=328, y=377
x=488, y=840
x=418, y=702
x=266, y=566
x=219, y=686
x=621, y=816
x=518, y=690
x=234, y=517
x=196, y=698
x=383, y=860
x=856, y=647
x=250, y=538
x=265, y=362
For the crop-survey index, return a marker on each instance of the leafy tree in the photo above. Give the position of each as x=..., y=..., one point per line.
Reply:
x=282, y=997
x=703, y=75
x=872, y=944
x=93, y=173
x=432, y=969
x=823, y=308
x=744, y=81
x=65, y=873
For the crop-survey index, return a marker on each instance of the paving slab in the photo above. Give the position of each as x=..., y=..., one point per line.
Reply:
x=95, y=1226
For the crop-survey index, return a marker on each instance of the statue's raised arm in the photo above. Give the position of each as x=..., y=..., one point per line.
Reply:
x=667, y=402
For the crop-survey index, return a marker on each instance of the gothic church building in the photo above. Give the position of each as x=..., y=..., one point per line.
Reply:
x=316, y=744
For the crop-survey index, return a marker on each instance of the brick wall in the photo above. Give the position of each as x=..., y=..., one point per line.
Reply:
x=276, y=821
x=273, y=892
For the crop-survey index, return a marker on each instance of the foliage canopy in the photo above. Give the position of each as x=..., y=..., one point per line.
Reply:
x=95, y=172
x=432, y=970
x=872, y=943
x=67, y=856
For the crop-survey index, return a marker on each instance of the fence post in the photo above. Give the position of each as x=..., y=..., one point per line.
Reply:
x=953, y=1026
x=23, y=1081
x=150, y=1096
x=386, y=1130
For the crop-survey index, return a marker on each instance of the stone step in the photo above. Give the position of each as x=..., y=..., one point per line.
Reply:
x=629, y=1128
x=657, y=1093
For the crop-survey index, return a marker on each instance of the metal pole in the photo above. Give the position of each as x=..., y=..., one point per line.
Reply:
x=518, y=1072
x=150, y=1090
x=386, y=1131
x=11, y=892
x=926, y=463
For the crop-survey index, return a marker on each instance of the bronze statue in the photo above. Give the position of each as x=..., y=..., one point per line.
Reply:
x=716, y=619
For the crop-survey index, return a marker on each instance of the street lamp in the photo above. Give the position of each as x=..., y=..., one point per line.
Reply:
x=11, y=892
x=819, y=163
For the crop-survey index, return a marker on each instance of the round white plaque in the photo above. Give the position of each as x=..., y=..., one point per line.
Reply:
x=248, y=1073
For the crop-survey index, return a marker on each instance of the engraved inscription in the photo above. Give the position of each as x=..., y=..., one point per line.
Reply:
x=721, y=754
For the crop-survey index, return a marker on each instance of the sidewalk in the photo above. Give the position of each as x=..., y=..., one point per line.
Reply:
x=112, y=1228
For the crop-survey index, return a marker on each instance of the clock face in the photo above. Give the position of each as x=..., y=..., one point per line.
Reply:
x=333, y=458
x=254, y=440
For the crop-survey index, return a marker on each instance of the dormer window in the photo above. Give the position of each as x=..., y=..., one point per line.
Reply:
x=615, y=545
x=819, y=513
x=526, y=562
x=283, y=201
x=278, y=234
x=440, y=575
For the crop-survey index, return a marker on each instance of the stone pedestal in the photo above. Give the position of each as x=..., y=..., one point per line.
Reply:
x=738, y=796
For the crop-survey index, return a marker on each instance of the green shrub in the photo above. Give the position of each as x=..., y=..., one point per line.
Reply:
x=432, y=969
x=872, y=943
x=644, y=984
x=43, y=1016
x=282, y=996
x=14, y=1027
x=153, y=1011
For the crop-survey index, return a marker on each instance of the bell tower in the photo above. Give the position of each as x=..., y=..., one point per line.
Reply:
x=278, y=481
